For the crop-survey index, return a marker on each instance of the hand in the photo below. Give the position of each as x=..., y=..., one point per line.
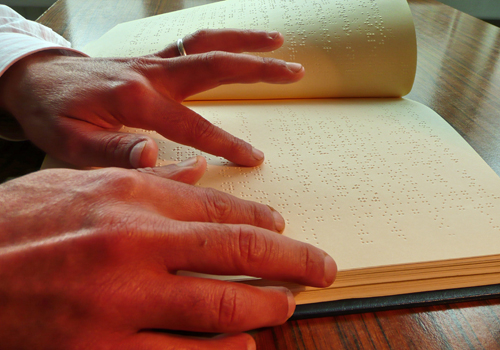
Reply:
x=88, y=260
x=73, y=107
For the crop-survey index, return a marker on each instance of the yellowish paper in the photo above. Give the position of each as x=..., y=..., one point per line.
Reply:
x=349, y=48
x=385, y=186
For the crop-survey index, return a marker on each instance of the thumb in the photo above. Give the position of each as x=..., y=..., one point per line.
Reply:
x=143, y=153
x=105, y=148
x=188, y=171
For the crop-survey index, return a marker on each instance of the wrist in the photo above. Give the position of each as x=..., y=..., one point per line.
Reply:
x=14, y=80
x=10, y=128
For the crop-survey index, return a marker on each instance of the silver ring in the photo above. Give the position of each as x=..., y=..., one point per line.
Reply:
x=180, y=47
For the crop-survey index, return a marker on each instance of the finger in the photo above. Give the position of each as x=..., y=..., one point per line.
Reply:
x=182, y=125
x=165, y=341
x=208, y=305
x=192, y=74
x=230, y=40
x=246, y=250
x=188, y=171
x=206, y=204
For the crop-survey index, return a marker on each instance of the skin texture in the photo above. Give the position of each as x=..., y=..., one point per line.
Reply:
x=89, y=259
x=77, y=104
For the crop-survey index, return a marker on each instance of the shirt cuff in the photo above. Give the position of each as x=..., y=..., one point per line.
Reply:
x=21, y=45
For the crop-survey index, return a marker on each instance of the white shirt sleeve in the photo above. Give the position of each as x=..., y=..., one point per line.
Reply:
x=19, y=38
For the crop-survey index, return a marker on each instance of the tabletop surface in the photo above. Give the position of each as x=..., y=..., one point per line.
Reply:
x=458, y=76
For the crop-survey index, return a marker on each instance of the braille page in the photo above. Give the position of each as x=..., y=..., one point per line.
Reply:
x=374, y=182
x=349, y=48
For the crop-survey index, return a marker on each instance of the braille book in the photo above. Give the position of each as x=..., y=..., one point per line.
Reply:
x=382, y=183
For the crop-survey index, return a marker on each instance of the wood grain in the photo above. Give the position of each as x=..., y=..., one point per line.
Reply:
x=473, y=325
x=458, y=76
x=458, y=73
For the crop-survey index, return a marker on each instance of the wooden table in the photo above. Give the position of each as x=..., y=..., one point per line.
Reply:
x=459, y=77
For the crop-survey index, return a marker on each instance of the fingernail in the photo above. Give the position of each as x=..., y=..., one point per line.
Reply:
x=188, y=162
x=291, y=303
x=136, y=153
x=289, y=296
x=294, y=67
x=274, y=34
x=330, y=270
x=279, y=222
x=257, y=154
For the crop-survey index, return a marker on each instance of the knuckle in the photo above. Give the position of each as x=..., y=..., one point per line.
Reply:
x=122, y=182
x=269, y=61
x=306, y=265
x=253, y=249
x=218, y=205
x=267, y=65
x=216, y=61
x=200, y=35
x=132, y=89
x=202, y=129
x=114, y=145
x=228, y=307
x=135, y=85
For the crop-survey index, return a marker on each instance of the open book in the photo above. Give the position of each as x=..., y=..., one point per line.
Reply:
x=382, y=183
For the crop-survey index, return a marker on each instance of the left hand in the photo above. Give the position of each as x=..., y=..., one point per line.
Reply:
x=73, y=107
x=88, y=260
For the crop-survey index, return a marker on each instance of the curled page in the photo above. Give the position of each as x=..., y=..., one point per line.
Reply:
x=349, y=48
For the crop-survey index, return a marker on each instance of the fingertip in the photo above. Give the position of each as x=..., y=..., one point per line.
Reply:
x=274, y=35
x=248, y=157
x=330, y=270
x=291, y=303
x=258, y=155
x=197, y=162
x=294, y=67
x=188, y=163
x=279, y=222
x=191, y=170
x=188, y=171
x=144, y=154
x=258, y=41
x=290, y=300
x=277, y=39
x=250, y=343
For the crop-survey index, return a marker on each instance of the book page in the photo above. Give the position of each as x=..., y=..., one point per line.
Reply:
x=349, y=48
x=374, y=182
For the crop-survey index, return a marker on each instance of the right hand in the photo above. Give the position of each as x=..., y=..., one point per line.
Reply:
x=88, y=260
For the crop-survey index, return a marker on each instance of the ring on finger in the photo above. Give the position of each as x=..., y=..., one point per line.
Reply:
x=180, y=47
